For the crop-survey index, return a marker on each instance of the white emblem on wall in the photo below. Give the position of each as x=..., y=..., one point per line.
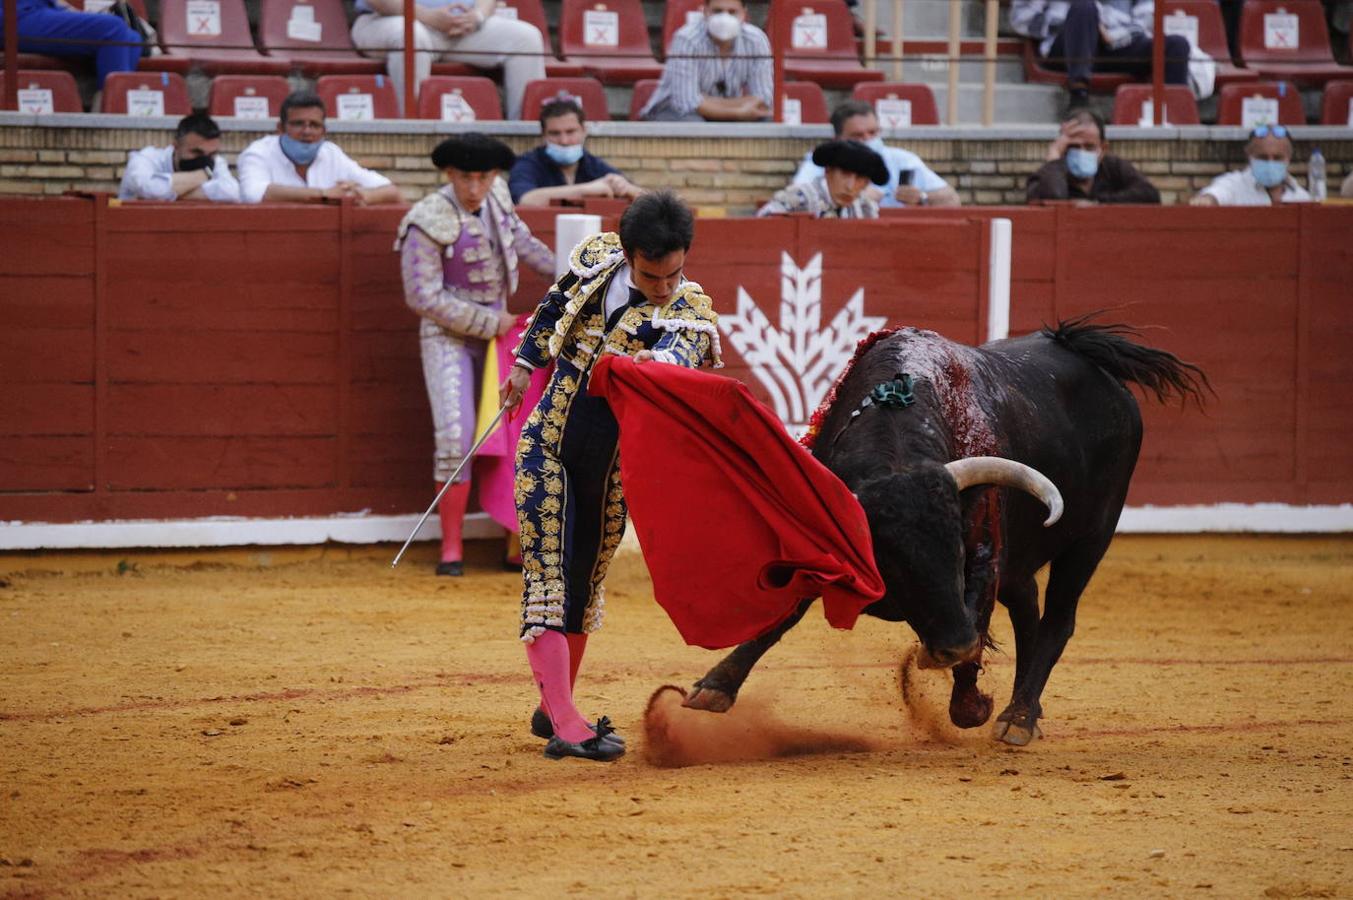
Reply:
x=798, y=361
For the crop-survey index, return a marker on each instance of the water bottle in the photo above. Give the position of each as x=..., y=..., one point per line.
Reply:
x=1315, y=175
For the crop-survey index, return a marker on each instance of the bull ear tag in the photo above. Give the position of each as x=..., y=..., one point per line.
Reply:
x=895, y=394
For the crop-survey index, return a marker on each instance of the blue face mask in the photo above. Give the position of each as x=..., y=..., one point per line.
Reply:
x=299, y=152
x=1269, y=172
x=1081, y=163
x=564, y=154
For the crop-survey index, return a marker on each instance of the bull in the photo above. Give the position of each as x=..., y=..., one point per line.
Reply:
x=928, y=434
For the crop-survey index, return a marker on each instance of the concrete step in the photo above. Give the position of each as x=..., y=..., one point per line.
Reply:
x=1016, y=104
x=933, y=68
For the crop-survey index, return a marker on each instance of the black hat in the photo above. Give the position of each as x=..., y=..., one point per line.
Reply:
x=473, y=152
x=853, y=157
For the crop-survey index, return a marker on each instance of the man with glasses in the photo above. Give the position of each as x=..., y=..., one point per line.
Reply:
x=1265, y=182
x=718, y=69
x=297, y=165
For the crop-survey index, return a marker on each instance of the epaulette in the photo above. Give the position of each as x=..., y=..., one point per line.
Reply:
x=435, y=216
x=594, y=254
x=691, y=309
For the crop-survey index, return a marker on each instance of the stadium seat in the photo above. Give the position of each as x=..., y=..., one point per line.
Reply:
x=532, y=11
x=45, y=91
x=609, y=39
x=146, y=94
x=817, y=38
x=1037, y=72
x=899, y=105
x=1131, y=102
x=1235, y=98
x=1338, y=103
x=455, y=70
x=677, y=15
x=804, y=98
x=587, y=91
x=214, y=37
x=643, y=90
x=138, y=7
x=1200, y=21
x=463, y=99
x=357, y=97
x=248, y=96
x=312, y=36
x=1287, y=40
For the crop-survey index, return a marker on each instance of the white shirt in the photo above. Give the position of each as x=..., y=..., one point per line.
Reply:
x=263, y=163
x=150, y=174
x=1240, y=189
x=896, y=160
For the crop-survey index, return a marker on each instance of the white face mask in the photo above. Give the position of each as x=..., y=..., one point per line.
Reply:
x=723, y=26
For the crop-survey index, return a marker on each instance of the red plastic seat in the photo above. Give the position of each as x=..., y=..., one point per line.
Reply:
x=609, y=39
x=1037, y=72
x=172, y=88
x=828, y=59
x=1130, y=102
x=215, y=44
x=643, y=90
x=59, y=91
x=587, y=91
x=1201, y=19
x=312, y=36
x=472, y=99
x=1230, y=110
x=341, y=94
x=1273, y=53
x=812, y=103
x=456, y=70
x=138, y=6
x=1338, y=103
x=677, y=15
x=920, y=100
x=254, y=90
x=532, y=11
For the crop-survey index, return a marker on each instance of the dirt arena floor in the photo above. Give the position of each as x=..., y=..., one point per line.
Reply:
x=309, y=723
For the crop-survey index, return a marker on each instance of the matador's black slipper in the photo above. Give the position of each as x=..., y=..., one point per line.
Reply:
x=455, y=569
x=542, y=727
x=601, y=748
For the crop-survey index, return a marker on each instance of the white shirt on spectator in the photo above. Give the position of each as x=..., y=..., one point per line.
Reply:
x=150, y=173
x=896, y=160
x=695, y=69
x=263, y=163
x=1240, y=189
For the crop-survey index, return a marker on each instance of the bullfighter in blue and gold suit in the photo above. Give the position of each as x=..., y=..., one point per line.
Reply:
x=624, y=294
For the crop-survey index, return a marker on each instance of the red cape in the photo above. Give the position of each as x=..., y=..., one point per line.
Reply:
x=738, y=523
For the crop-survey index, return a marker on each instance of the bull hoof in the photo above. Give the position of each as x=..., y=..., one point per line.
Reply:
x=709, y=699
x=971, y=709
x=1015, y=734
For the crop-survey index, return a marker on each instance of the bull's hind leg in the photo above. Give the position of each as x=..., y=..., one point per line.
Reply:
x=718, y=690
x=1070, y=573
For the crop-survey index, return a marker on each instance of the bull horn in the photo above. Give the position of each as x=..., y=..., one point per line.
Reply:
x=976, y=470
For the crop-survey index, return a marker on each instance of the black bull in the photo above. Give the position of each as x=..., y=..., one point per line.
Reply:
x=1054, y=402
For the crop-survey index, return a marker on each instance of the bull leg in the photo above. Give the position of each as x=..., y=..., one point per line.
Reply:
x=968, y=706
x=718, y=690
x=1071, y=572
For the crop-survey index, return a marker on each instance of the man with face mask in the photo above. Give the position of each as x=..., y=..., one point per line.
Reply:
x=1266, y=182
x=719, y=69
x=191, y=168
x=1080, y=168
x=839, y=192
x=561, y=169
x=297, y=165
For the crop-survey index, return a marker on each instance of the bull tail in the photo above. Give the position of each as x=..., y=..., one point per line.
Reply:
x=1110, y=346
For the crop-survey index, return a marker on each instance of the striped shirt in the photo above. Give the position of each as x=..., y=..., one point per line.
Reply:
x=1042, y=20
x=813, y=197
x=695, y=70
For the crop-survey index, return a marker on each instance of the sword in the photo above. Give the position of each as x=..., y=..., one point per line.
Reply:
x=450, y=481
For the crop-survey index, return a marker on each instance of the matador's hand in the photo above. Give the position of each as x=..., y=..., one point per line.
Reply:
x=514, y=386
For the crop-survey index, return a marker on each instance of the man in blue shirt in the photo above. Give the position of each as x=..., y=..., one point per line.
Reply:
x=910, y=181
x=561, y=169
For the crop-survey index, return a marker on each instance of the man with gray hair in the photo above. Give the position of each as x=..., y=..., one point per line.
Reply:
x=1266, y=181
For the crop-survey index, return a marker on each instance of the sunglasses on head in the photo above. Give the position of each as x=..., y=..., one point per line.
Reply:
x=1277, y=131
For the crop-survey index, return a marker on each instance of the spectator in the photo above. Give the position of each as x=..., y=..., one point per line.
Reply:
x=1346, y=190
x=718, y=69
x=910, y=182
x=297, y=165
x=1079, y=167
x=561, y=169
x=54, y=28
x=838, y=193
x=1110, y=35
x=1266, y=182
x=454, y=31
x=191, y=168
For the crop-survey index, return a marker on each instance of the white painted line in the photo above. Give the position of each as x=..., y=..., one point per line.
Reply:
x=998, y=280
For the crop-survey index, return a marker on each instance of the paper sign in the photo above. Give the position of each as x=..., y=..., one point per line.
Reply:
x=252, y=108
x=810, y=31
x=1255, y=111
x=1181, y=23
x=204, y=18
x=98, y=6
x=36, y=100
x=142, y=102
x=1281, y=31
x=1147, y=119
x=455, y=109
x=302, y=25
x=356, y=106
x=791, y=110
x=601, y=28
x=893, y=113
x=505, y=12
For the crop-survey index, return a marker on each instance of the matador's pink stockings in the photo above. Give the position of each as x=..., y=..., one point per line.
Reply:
x=549, y=657
x=451, y=511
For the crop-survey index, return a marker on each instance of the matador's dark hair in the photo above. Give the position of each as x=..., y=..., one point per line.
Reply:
x=657, y=224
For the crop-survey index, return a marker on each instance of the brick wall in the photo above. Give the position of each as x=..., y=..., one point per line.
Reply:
x=736, y=173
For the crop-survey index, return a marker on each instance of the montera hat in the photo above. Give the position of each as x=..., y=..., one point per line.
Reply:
x=473, y=152
x=853, y=157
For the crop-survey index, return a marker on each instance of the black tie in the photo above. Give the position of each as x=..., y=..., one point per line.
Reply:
x=636, y=299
